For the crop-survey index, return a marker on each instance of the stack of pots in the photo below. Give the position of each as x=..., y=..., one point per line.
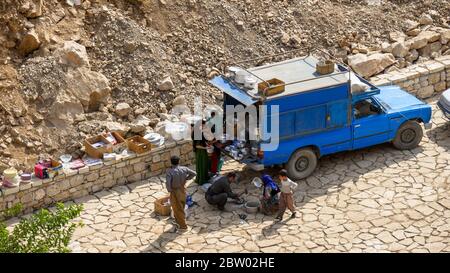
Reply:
x=11, y=178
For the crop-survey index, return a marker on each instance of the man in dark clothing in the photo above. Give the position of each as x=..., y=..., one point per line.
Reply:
x=220, y=191
x=176, y=178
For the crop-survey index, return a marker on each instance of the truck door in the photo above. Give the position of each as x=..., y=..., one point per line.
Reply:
x=370, y=124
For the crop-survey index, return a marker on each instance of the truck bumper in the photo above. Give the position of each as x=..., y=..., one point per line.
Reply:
x=428, y=125
x=255, y=166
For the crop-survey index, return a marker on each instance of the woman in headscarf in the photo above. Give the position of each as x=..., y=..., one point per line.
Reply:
x=201, y=158
x=270, y=199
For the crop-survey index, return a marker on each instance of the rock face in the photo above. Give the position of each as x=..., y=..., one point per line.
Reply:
x=166, y=84
x=30, y=42
x=73, y=54
x=123, y=109
x=371, y=65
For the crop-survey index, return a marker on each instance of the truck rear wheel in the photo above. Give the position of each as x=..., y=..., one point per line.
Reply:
x=408, y=135
x=301, y=164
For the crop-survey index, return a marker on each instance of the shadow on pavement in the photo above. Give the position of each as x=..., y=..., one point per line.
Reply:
x=207, y=219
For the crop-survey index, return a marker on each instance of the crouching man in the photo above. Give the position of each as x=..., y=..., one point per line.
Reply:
x=176, y=177
x=220, y=190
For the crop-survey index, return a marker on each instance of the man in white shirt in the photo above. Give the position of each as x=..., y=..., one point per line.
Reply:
x=286, y=199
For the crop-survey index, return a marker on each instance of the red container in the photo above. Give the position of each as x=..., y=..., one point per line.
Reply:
x=40, y=171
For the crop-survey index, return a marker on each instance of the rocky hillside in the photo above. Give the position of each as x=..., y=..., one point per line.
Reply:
x=72, y=68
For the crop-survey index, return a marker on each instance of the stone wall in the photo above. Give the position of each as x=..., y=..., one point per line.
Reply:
x=422, y=80
x=75, y=184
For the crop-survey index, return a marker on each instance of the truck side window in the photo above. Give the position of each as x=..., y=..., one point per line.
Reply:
x=365, y=108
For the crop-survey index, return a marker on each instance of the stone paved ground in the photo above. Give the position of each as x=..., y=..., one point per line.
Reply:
x=373, y=200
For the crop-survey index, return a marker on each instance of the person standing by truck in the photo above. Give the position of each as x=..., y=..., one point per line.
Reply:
x=176, y=177
x=201, y=157
x=286, y=196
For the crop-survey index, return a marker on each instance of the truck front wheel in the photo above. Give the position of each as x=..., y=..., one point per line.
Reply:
x=408, y=135
x=301, y=164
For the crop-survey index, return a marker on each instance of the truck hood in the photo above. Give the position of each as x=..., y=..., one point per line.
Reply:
x=394, y=98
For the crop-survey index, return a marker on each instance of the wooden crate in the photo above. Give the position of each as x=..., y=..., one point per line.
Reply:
x=139, y=144
x=121, y=142
x=325, y=67
x=271, y=87
x=162, y=209
x=99, y=151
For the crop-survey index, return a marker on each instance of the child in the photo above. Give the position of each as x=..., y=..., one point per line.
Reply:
x=286, y=200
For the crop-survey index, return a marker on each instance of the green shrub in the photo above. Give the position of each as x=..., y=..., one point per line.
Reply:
x=43, y=232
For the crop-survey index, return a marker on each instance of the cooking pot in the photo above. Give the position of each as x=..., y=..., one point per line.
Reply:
x=252, y=206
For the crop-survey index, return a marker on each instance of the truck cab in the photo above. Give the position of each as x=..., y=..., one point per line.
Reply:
x=320, y=114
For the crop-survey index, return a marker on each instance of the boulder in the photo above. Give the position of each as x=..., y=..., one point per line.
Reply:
x=89, y=87
x=162, y=108
x=435, y=47
x=431, y=36
x=116, y=126
x=130, y=46
x=413, y=32
x=400, y=50
x=32, y=8
x=64, y=109
x=140, y=111
x=180, y=100
x=284, y=37
x=445, y=36
x=30, y=42
x=410, y=25
x=386, y=47
x=296, y=41
x=429, y=49
x=371, y=65
x=425, y=19
x=423, y=39
x=139, y=124
x=412, y=56
x=73, y=54
x=240, y=25
x=123, y=109
x=166, y=84
x=397, y=36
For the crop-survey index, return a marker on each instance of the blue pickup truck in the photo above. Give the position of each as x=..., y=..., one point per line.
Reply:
x=321, y=114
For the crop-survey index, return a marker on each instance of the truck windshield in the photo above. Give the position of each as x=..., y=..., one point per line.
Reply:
x=381, y=103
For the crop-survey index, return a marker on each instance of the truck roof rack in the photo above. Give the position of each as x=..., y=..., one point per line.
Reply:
x=297, y=74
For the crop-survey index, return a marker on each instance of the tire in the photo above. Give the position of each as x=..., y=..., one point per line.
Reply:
x=301, y=164
x=408, y=135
